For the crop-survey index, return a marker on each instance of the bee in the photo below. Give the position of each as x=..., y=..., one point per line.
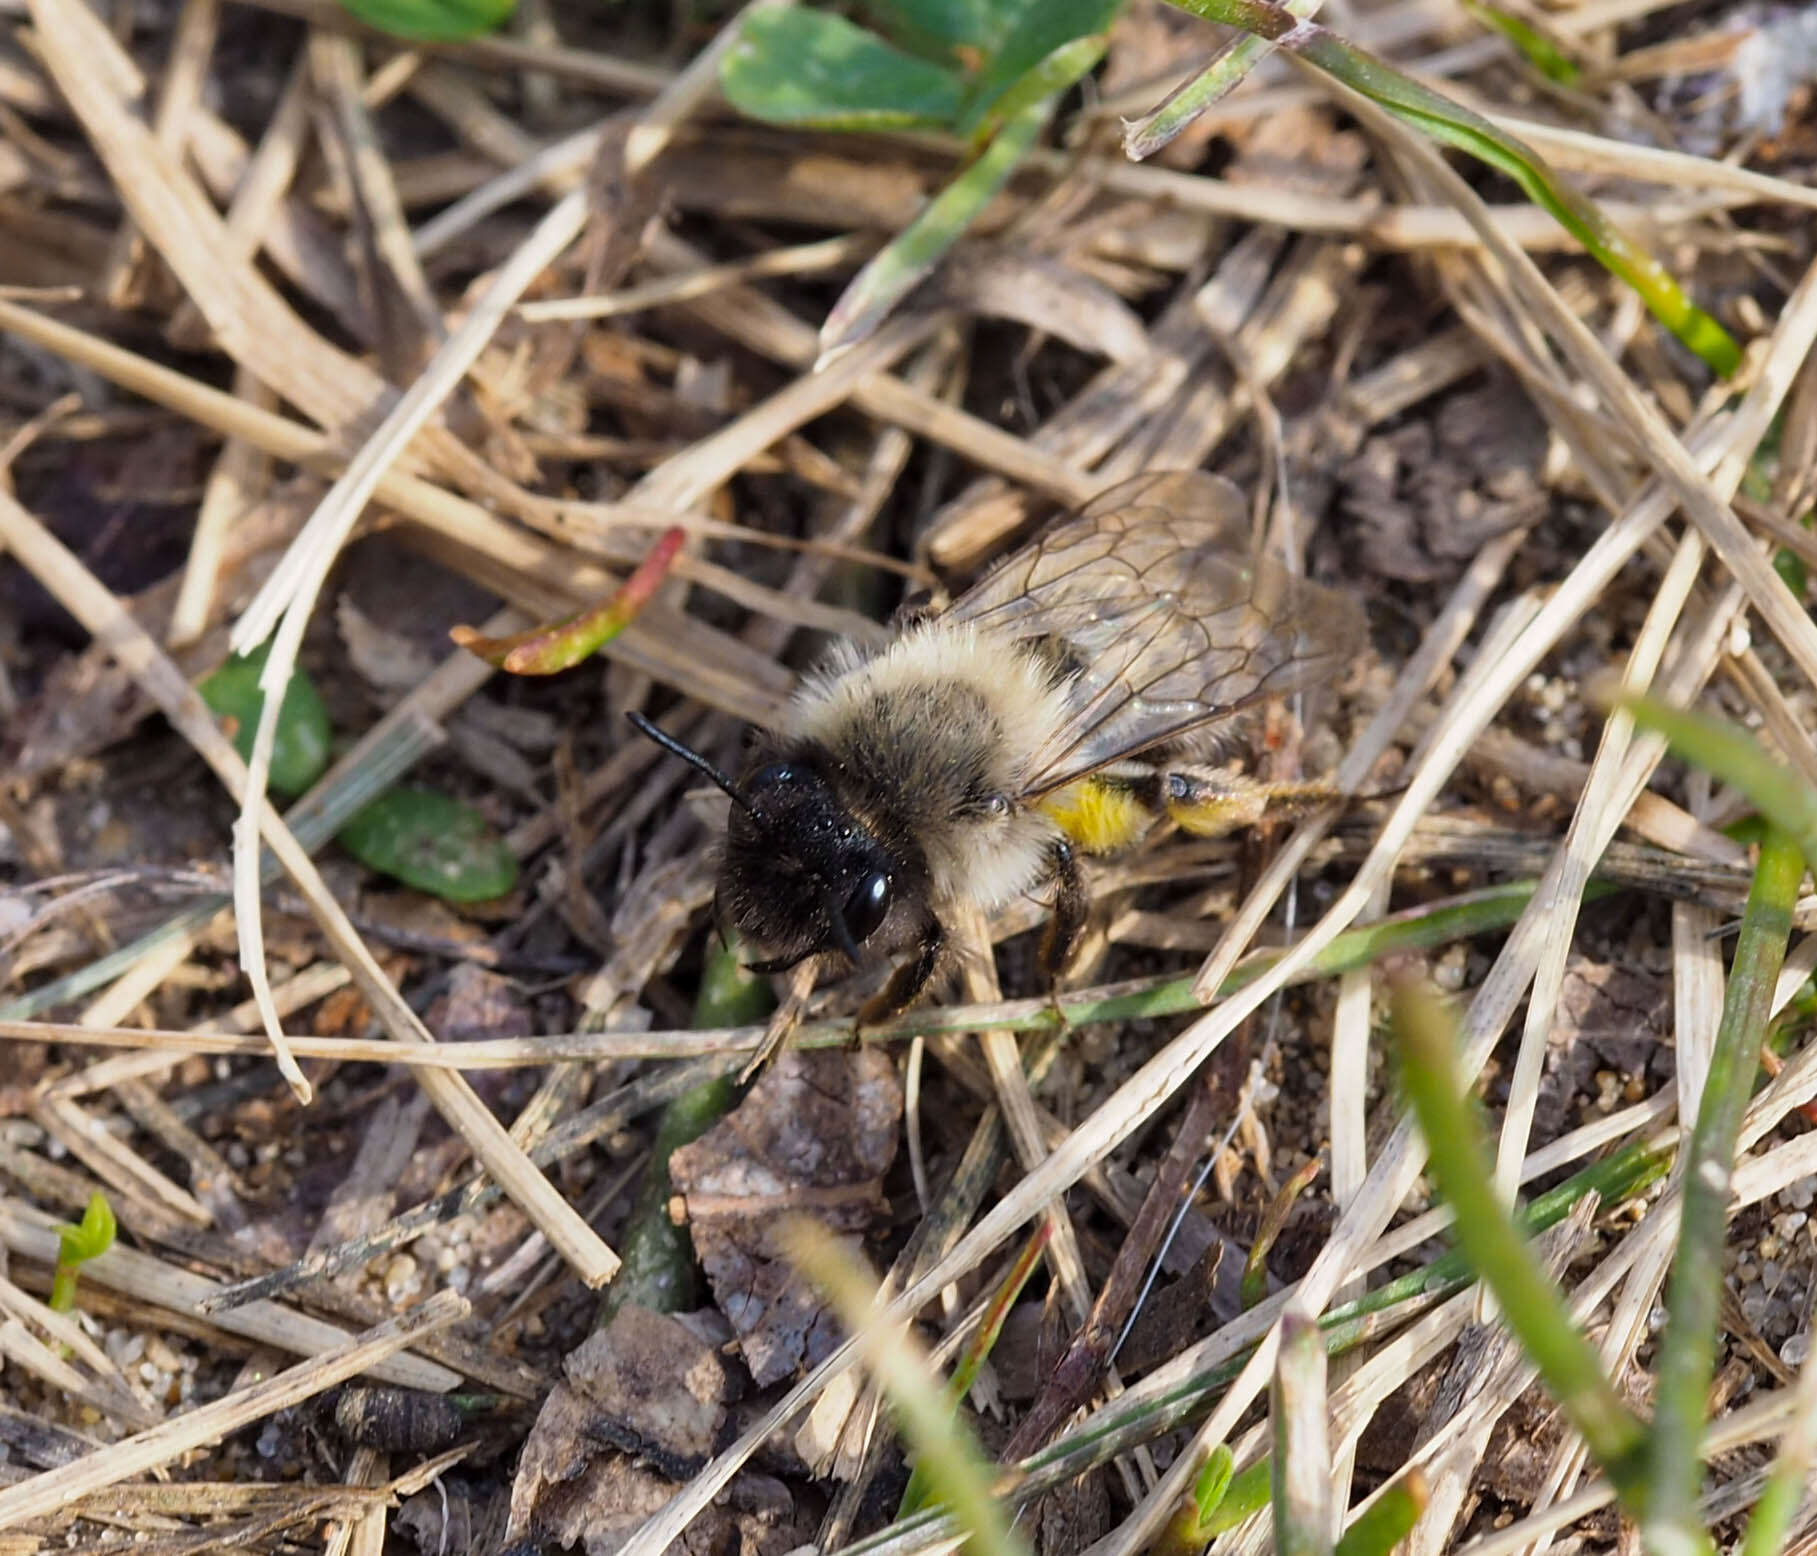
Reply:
x=1080, y=694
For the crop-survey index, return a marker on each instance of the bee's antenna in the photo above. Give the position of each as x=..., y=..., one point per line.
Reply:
x=692, y=757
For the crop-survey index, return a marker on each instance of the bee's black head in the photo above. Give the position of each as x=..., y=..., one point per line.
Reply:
x=800, y=876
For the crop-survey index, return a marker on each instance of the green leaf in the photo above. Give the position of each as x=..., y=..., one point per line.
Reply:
x=963, y=31
x=434, y=843
x=90, y=1237
x=432, y=21
x=300, y=752
x=800, y=66
x=1049, y=48
x=1190, y=1529
x=1245, y=1495
x=560, y=645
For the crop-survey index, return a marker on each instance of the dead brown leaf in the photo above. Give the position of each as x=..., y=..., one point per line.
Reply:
x=813, y=1138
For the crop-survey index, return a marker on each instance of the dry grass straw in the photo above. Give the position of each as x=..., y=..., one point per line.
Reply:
x=1265, y=299
x=159, y=1445
x=1468, y=712
x=101, y=613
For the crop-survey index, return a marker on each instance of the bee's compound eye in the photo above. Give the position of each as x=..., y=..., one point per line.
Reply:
x=997, y=806
x=776, y=772
x=1178, y=786
x=868, y=906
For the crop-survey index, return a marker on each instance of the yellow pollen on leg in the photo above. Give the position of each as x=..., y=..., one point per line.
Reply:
x=1098, y=817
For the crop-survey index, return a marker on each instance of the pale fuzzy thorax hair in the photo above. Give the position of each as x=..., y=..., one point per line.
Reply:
x=984, y=859
x=1017, y=687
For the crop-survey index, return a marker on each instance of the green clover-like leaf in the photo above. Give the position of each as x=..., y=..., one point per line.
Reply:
x=808, y=67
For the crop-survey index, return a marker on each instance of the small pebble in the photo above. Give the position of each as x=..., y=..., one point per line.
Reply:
x=124, y=1348
x=402, y=1278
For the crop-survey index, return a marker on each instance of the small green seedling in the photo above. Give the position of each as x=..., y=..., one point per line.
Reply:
x=300, y=752
x=436, y=844
x=423, y=838
x=1193, y=1525
x=87, y=1239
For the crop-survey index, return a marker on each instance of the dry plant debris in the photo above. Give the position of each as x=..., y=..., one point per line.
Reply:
x=300, y=324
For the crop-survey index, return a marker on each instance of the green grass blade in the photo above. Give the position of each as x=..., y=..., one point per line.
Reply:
x=658, y=1268
x=1145, y=136
x=1687, y=1357
x=1540, y=52
x=1735, y=757
x=916, y=1494
x=1784, y=1491
x=1274, y=1222
x=1387, y=1520
x=914, y=251
x=961, y=1477
x=1452, y=124
x=1052, y=74
x=1487, y=1235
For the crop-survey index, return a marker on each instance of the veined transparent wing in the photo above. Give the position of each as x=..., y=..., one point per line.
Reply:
x=1170, y=619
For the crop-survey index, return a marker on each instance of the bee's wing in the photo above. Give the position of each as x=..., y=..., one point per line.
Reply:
x=1171, y=619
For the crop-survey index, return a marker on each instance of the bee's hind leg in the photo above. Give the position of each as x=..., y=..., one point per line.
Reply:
x=1209, y=801
x=908, y=982
x=1072, y=907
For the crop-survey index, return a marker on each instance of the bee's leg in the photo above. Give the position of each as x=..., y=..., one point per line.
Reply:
x=1209, y=801
x=1071, y=909
x=908, y=982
